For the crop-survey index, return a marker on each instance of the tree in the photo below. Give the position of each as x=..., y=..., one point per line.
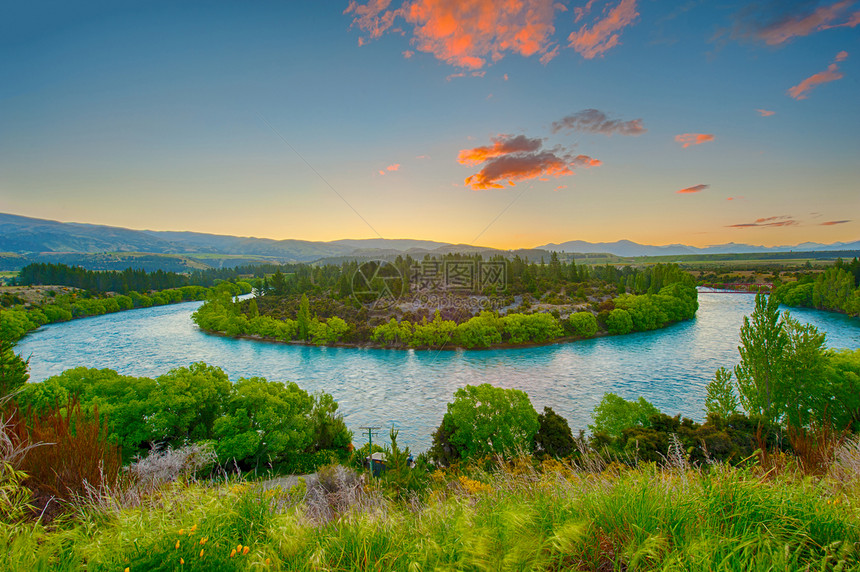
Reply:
x=614, y=414
x=263, y=421
x=619, y=322
x=486, y=420
x=13, y=368
x=279, y=284
x=762, y=349
x=583, y=324
x=720, y=395
x=187, y=401
x=328, y=430
x=303, y=319
x=554, y=436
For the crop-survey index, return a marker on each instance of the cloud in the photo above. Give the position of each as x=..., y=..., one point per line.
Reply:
x=832, y=222
x=408, y=54
x=771, y=221
x=465, y=34
x=687, y=139
x=390, y=168
x=594, y=121
x=560, y=187
x=733, y=198
x=511, y=159
x=502, y=145
x=832, y=73
x=604, y=32
x=693, y=189
x=548, y=56
x=776, y=23
x=765, y=112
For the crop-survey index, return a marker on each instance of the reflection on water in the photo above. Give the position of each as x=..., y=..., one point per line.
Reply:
x=409, y=389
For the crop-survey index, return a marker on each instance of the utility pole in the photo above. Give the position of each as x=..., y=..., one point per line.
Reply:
x=370, y=431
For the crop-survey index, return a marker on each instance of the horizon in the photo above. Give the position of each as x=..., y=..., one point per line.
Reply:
x=532, y=123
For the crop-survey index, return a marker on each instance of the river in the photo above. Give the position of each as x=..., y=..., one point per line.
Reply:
x=410, y=389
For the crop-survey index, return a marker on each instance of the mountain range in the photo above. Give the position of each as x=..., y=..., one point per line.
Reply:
x=31, y=238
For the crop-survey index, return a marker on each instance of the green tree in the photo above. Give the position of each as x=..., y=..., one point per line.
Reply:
x=619, y=322
x=13, y=368
x=720, y=395
x=187, y=401
x=328, y=430
x=554, y=437
x=583, y=324
x=762, y=351
x=487, y=420
x=263, y=421
x=614, y=414
x=303, y=319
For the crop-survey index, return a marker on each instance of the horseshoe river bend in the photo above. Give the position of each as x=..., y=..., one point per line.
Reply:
x=410, y=389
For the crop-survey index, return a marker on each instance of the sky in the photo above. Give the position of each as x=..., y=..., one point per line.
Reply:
x=503, y=123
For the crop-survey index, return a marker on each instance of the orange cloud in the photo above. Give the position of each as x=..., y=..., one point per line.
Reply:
x=604, y=33
x=524, y=166
x=832, y=73
x=393, y=167
x=595, y=121
x=502, y=145
x=408, y=54
x=687, y=139
x=733, y=198
x=832, y=222
x=791, y=26
x=560, y=187
x=771, y=221
x=465, y=34
x=765, y=112
x=693, y=189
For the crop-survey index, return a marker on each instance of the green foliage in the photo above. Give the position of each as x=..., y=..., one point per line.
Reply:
x=619, y=322
x=481, y=331
x=583, y=324
x=487, y=420
x=524, y=328
x=763, y=345
x=13, y=368
x=554, y=437
x=399, y=476
x=614, y=414
x=187, y=402
x=327, y=427
x=720, y=398
x=263, y=421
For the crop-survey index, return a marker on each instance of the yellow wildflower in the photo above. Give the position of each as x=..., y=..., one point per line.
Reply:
x=182, y=560
x=232, y=553
x=126, y=569
x=245, y=550
x=201, y=553
x=193, y=528
x=239, y=548
x=203, y=540
x=181, y=531
x=177, y=545
x=268, y=561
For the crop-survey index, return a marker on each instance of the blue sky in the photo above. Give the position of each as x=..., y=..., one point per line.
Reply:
x=331, y=120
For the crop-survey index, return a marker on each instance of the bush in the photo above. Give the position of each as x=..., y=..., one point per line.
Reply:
x=583, y=324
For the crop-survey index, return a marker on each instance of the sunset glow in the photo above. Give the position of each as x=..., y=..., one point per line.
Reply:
x=537, y=121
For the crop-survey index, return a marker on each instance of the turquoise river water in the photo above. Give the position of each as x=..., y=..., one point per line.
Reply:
x=410, y=389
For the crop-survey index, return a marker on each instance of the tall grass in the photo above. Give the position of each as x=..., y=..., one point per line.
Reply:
x=516, y=517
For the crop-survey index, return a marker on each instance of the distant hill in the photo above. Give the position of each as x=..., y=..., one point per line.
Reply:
x=24, y=240
x=630, y=249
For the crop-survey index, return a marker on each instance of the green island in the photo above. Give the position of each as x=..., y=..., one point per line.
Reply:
x=541, y=303
x=190, y=471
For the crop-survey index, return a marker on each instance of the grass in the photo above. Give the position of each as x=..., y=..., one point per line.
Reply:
x=513, y=518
